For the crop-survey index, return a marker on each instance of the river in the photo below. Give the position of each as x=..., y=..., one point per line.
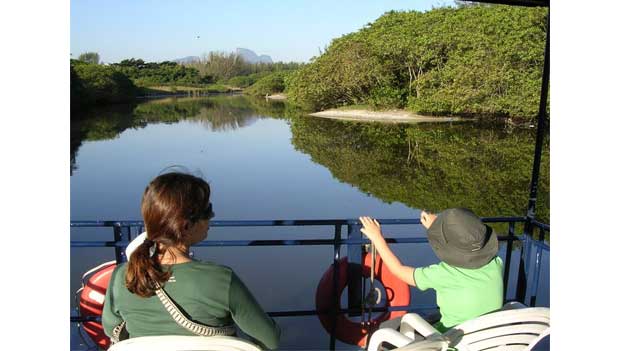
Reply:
x=266, y=160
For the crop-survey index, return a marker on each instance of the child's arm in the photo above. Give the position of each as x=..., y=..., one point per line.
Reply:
x=372, y=229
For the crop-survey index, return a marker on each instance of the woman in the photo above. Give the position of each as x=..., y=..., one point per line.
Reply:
x=176, y=211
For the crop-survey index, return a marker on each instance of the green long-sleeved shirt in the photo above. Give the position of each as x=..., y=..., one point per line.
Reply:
x=208, y=293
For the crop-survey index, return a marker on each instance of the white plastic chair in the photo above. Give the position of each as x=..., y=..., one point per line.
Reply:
x=133, y=245
x=512, y=329
x=184, y=343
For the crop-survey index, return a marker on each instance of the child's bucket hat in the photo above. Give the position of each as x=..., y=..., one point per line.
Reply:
x=460, y=239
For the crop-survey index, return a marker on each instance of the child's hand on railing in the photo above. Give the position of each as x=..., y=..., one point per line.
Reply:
x=427, y=218
x=372, y=228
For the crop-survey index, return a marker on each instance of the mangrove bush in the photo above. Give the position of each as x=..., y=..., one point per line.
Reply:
x=471, y=60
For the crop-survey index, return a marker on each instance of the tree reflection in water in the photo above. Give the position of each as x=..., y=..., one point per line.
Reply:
x=219, y=113
x=432, y=166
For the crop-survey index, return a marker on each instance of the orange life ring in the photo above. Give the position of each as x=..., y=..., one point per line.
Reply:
x=92, y=297
x=348, y=331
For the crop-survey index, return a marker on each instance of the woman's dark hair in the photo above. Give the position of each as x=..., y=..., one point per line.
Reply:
x=171, y=204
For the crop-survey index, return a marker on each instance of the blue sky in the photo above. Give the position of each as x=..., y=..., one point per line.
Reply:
x=164, y=30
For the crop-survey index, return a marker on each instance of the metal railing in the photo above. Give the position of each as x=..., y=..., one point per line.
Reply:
x=528, y=276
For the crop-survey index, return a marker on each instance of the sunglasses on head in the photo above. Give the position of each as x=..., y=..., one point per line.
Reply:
x=207, y=213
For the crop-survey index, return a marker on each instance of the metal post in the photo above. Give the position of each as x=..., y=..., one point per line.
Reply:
x=334, y=312
x=511, y=235
x=537, y=267
x=522, y=274
x=121, y=234
x=540, y=135
x=354, y=269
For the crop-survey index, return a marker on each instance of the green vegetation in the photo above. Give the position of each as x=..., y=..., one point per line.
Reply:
x=246, y=81
x=471, y=60
x=354, y=107
x=167, y=72
x=428, y=165
x=171, y=89
x=222, y=67
x=93, y=84
x=89, y=57
x=270, y=84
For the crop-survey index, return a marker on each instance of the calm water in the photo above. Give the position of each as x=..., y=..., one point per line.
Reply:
x=264, y=160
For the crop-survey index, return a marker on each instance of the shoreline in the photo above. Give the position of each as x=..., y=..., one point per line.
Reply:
x=276, y=96
x=394, y=116
x=186, y=94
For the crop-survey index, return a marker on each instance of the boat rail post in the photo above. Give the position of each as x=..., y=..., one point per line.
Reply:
x=354, y=270
x=537, y=267
x=121, y=234
x=334, y=311
x=540, y=135
x=511, y=236
x=523, y=276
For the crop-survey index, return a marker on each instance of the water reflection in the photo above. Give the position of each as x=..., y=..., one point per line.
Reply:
x=433, y=166
x=430, y=166
x=219, y=113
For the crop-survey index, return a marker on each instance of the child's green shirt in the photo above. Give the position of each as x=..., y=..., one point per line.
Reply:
x=463, y=294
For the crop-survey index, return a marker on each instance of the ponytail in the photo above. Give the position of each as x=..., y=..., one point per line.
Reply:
x=170, y=204
x=144, y=270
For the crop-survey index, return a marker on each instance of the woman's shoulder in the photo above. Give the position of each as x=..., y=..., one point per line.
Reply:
x=120, y=268
x=204, y=266
x=199, y=272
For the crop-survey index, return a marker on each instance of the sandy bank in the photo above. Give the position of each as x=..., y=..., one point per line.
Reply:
x=395, y=116
x=276, y=97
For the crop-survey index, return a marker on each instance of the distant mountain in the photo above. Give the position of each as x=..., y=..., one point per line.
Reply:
x=251, y=57
x=247, y=55
x=187, y=59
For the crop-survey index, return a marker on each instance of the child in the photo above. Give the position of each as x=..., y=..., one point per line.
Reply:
x=468, y=280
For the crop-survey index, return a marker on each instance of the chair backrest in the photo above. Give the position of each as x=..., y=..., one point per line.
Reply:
x=184, y=343
x=517, y=329
x=426, y=345
x=133, y=245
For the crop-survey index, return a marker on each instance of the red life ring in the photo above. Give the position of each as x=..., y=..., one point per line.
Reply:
x=92, y=297
x=354, y=333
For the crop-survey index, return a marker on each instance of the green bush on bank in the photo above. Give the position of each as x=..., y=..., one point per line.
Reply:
x=166, y=72
x=98, y=84
x=217, y=88
x=472, y=60
x=387, y=97
x=240, y=81
x=270, y=84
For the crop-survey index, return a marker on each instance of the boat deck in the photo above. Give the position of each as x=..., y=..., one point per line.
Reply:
x=525, y=258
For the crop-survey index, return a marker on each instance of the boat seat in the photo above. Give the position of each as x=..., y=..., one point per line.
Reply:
x=185, y=343
x=514, y=327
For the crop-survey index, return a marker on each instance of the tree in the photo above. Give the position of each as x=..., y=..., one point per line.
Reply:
x=471, y=60
x=89, y=57
x=98, y=84
x=272, y=83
